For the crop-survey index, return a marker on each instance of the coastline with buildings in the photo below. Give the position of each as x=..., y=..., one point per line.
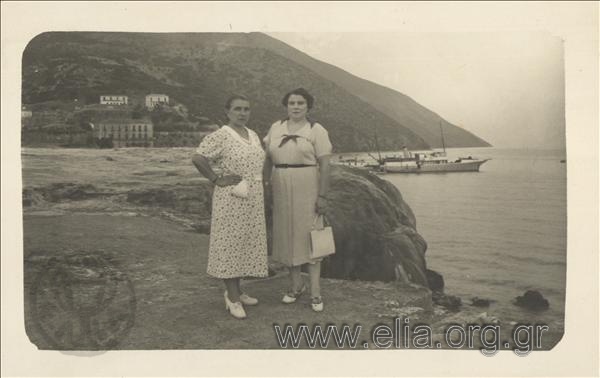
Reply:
x=115, y=121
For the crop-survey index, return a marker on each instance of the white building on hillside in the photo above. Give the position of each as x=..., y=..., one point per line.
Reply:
x=154, y=99
x=126, y=132
x=113, y=100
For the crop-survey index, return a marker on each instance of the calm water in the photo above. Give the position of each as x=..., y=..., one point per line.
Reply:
x=499, y=232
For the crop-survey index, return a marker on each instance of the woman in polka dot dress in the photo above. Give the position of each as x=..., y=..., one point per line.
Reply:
x=238, y=243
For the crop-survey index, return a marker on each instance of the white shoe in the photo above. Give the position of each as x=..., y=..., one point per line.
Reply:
x=292, y=296
x=248, y=300
x=317, y=304
x=235, y=308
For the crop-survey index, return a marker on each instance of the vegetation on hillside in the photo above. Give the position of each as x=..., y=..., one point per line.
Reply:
x=199, y=71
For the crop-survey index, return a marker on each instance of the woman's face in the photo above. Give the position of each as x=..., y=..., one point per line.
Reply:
x=297, y=107
x=239, y=112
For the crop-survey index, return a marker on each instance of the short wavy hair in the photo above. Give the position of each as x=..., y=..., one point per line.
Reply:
x=310, y=100
x=234, y=97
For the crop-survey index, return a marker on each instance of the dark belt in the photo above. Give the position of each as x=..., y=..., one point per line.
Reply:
x=294, y=165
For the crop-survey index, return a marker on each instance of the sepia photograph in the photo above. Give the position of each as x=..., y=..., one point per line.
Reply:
x=249, y=189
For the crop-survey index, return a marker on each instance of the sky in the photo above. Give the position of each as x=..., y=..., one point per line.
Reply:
x=505, y=87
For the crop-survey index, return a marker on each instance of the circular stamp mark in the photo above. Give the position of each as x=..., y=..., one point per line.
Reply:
x=82, y=302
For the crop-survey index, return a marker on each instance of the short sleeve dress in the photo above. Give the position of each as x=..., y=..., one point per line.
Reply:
x=295, y=190
x=238, y=242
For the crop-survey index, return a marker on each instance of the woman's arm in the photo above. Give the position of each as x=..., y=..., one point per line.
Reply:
x=267, y=170
x=321, y=205
x=324, y=174
x=203, y=166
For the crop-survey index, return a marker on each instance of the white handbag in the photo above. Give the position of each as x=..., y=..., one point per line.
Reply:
x=240, y=190
x=321, y=239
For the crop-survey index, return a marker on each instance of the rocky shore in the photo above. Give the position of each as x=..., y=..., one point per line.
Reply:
x=147, y=215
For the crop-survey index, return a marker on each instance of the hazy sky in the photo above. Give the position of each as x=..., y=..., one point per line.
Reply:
x=507, y=88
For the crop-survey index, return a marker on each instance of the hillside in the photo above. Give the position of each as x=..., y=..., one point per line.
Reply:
x=200, y=70
x=395, y=105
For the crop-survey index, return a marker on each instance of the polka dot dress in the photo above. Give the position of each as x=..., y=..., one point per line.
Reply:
x=238, y=242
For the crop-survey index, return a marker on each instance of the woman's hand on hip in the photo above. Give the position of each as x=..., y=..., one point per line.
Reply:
x=228, y=180
x=321, y=205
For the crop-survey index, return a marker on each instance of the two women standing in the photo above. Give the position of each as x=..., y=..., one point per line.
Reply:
x=296, y=162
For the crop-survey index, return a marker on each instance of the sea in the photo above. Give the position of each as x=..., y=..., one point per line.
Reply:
x=496, y=233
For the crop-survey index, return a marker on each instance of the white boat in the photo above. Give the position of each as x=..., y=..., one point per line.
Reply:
x=414, y=162
x=421, y=162
x=431, y=163
x=428, y=162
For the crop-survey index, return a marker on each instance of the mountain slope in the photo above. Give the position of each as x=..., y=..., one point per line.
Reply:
x=200, y=70
x=396, y=105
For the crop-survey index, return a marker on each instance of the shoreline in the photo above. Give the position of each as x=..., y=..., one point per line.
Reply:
x=179, y=305
x=168, y=200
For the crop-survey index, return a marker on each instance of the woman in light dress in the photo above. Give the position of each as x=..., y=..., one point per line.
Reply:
x=297, y=165
x=238, y=244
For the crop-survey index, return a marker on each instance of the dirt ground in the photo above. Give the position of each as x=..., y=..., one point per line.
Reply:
x=178, y=306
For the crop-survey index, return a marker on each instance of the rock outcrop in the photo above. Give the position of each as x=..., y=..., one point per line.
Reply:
x=59, y=192
x=183, y=198
x=187, y=203
x=532, y=300
x=374, y=230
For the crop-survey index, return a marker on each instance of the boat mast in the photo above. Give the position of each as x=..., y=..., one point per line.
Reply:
x=380, y=161
x=442, y=132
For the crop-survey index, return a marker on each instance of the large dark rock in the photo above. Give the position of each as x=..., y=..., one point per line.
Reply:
x=374, y=230
x=435, y=281
x=532, y=300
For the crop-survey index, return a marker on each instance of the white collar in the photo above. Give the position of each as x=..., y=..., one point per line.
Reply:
x=298, y=132
x=237, y=136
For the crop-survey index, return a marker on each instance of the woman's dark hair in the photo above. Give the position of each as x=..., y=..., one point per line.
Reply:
x=310, y=100
x=234, y=97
